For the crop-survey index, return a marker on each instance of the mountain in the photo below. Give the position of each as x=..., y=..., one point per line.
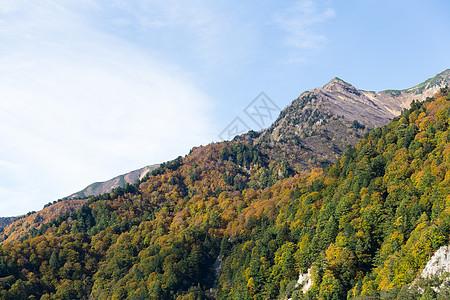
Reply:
x=14, y=228
x=33, y=221
x=316, y=128
x=230, y=221
x=99, y=188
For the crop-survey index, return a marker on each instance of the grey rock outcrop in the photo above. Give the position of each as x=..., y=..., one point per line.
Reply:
x=438, y=264
x=317, y=127
x=99, y=188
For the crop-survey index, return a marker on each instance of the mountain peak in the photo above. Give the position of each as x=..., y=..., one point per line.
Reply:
x=337, y=84
x=336, y=81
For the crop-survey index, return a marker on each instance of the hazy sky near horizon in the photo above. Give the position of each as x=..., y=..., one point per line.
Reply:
x=91, y=89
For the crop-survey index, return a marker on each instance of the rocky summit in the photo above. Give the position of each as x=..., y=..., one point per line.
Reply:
x=317, y=127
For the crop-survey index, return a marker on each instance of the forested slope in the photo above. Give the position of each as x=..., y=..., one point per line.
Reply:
x=228, y=222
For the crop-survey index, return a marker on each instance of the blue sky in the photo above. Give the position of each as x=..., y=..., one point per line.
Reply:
x=91, y=89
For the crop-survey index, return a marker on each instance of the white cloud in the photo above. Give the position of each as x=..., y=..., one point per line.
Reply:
x=299, y=21
x=78, y=105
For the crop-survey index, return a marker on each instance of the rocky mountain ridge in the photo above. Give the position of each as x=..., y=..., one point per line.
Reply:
x=317, y=127
x=99, y=188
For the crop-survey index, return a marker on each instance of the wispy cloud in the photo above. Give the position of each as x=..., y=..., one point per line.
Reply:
x=209, y=33
x=79, y=105
x=299, y=22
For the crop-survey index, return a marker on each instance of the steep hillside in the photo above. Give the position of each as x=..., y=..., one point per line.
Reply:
x=423, y=90
x=5, y=221
x=33, y=221
x=17, y=228
x=99, y=188
x=318, y=126
x=229, y=222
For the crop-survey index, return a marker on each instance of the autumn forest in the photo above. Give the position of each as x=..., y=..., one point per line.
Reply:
x=228, y=221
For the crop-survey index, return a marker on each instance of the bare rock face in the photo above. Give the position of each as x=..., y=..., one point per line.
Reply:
x=396, y=100
x=317, y=127
x=304, y=282
x=435, y=275
x=345, y=100
x=438, y=264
